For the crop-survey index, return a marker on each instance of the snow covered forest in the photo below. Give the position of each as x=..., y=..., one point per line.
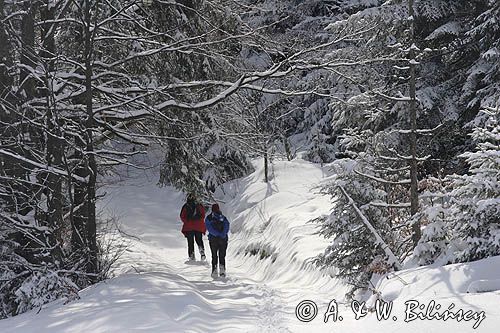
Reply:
x=399, y=99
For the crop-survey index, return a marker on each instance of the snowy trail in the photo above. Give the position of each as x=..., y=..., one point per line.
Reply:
x=158, y=290
x=159, y=255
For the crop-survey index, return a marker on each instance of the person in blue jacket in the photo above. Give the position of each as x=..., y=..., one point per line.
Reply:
x=218, y=227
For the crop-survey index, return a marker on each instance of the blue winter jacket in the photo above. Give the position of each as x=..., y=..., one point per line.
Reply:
x=212, y=232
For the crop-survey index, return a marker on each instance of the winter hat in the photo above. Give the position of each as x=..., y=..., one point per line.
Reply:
x=215, y=208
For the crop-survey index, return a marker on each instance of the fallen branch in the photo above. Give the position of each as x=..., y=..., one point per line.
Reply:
x=392, y=258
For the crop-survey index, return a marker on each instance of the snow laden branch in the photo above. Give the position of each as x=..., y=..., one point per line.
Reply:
x=430, y=131
x=390, y=205
x=404, y=157
x=491, y=110
x=379, y=241
x=294, y=62
x=381, y=180
x=44, y=167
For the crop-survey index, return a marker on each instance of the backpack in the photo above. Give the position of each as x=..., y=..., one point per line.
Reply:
x=193, y=213
x=218, y=222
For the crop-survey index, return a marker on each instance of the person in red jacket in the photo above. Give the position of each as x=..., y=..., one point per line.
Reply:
x=193, y=225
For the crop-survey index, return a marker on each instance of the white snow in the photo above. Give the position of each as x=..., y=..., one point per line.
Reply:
x=269, y=269
x=481, y=286
x=449, y=28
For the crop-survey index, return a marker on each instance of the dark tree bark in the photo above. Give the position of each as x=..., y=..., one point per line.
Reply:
x=47, y=52
x=7, y=164
x=84, y=220
x=416, y=232
x=266, y=166
x=91, y=165
x=28, y=55
x=6, y=80
x=55, y=145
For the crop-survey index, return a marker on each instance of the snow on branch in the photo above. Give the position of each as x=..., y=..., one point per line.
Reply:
x=206, y=103
x=491, y=110
x=404, y=157
x=115, y=130
x=379, y=241
x=389, y=205
x=9, y=17
x=45, y=167
x=419, y=131
x=381, y=180
x=392, y=98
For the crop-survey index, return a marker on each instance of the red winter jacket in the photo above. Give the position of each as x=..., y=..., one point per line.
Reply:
x=193, y=225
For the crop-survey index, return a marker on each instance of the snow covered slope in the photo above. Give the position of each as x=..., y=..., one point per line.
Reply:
x=269, y=268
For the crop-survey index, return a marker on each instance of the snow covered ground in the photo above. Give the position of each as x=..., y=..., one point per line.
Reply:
x=269, y=270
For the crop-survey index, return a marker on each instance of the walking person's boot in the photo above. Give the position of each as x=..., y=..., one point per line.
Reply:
x=214, y=271
x=202, y=253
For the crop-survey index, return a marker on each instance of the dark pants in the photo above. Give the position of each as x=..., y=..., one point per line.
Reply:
x=191, y=237
x=218, y=246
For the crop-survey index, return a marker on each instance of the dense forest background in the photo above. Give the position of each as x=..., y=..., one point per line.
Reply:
x=400, y=98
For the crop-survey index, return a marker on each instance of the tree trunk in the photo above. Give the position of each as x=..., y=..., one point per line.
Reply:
x=55, y=146
x=28, y=51
x=47, y=34
x=27, y=87
x=84, y=221
x=288, y=150
x=6, y=79
x=416, y=232
x=9, y=166
x=266, y=164
x=92, y=165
